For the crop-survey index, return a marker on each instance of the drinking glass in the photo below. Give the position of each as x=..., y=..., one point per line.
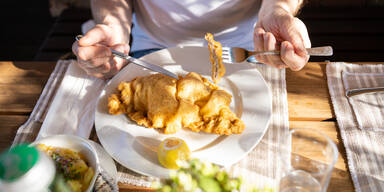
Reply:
x=310, y=162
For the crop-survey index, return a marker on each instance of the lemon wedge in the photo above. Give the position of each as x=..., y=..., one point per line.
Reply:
x=173, y=152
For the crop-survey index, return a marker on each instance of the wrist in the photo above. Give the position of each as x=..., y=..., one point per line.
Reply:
x=112, y=14
x=290, y=7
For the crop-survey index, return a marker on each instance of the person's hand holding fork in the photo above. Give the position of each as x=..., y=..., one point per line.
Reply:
x=94, y=55
x=279, y=29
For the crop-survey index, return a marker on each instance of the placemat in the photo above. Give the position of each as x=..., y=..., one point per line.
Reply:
x=359, y=119
x=261, y=167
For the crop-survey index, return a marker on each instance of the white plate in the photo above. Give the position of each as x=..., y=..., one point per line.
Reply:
x=134, y=146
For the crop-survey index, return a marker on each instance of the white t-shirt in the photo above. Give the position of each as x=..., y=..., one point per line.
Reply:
x=170, y=23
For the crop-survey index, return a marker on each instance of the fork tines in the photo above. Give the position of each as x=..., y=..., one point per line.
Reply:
x=226, y=55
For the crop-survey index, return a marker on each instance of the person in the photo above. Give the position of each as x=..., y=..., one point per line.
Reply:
x=261, y=25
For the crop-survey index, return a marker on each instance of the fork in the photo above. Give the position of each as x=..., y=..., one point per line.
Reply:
x=238, y=55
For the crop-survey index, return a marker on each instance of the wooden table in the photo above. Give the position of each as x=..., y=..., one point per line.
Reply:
x=309, y=104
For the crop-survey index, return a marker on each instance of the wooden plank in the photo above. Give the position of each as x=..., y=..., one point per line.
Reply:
x=25, y=68
x=341, y=179
x=21, y=84
x=308, y=97
x=8, y=128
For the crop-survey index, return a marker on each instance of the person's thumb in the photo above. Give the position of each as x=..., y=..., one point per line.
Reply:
x=98, y=35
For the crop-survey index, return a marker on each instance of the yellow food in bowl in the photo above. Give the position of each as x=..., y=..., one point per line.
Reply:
x=173, y=152
x=72, y=165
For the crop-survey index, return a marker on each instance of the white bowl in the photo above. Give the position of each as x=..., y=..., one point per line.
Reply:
x=77, y=144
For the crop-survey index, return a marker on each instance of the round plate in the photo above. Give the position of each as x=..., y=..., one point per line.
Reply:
x=134, y=146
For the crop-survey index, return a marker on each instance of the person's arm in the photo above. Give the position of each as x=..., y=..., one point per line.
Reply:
x=113, y=19
x=291, y=6
x=114, y=13
x=279, y=29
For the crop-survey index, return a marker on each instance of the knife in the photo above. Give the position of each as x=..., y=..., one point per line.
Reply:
x=139, y=62
x=353, y=92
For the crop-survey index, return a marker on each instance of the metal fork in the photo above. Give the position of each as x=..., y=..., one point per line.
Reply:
x=238, y=55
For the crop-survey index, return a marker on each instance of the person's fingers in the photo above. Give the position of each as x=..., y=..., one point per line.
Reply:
x=105, y=68
x=118, y=62
x=290, y=58
x=267, y=46
x=258, y=39
x=111, y=65
x=270, y=44
x=95, y=62
x=101, y=65
x=90, y=52
x=97, y=35
x=97, y=75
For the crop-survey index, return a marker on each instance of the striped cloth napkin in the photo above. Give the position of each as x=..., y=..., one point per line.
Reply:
x=360, y=120
x=71, y=92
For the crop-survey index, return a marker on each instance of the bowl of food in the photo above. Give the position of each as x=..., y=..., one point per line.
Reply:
x=75, y=158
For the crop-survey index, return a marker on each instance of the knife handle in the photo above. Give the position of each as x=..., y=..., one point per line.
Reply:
x=314, y=51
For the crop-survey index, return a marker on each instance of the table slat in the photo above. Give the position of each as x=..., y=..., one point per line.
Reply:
x=21, y=84
x=308, y=97
x=8, y=128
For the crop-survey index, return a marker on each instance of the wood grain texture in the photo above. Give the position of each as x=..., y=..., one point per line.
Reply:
x=8, y=128
x=21, y=84
x=308, y=97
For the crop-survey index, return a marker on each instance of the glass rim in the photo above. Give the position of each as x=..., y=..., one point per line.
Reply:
x=335, y=151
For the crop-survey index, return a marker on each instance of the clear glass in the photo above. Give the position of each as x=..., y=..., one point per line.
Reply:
x=310, y=163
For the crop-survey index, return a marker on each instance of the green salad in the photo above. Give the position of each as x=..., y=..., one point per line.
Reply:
x=197, y=176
